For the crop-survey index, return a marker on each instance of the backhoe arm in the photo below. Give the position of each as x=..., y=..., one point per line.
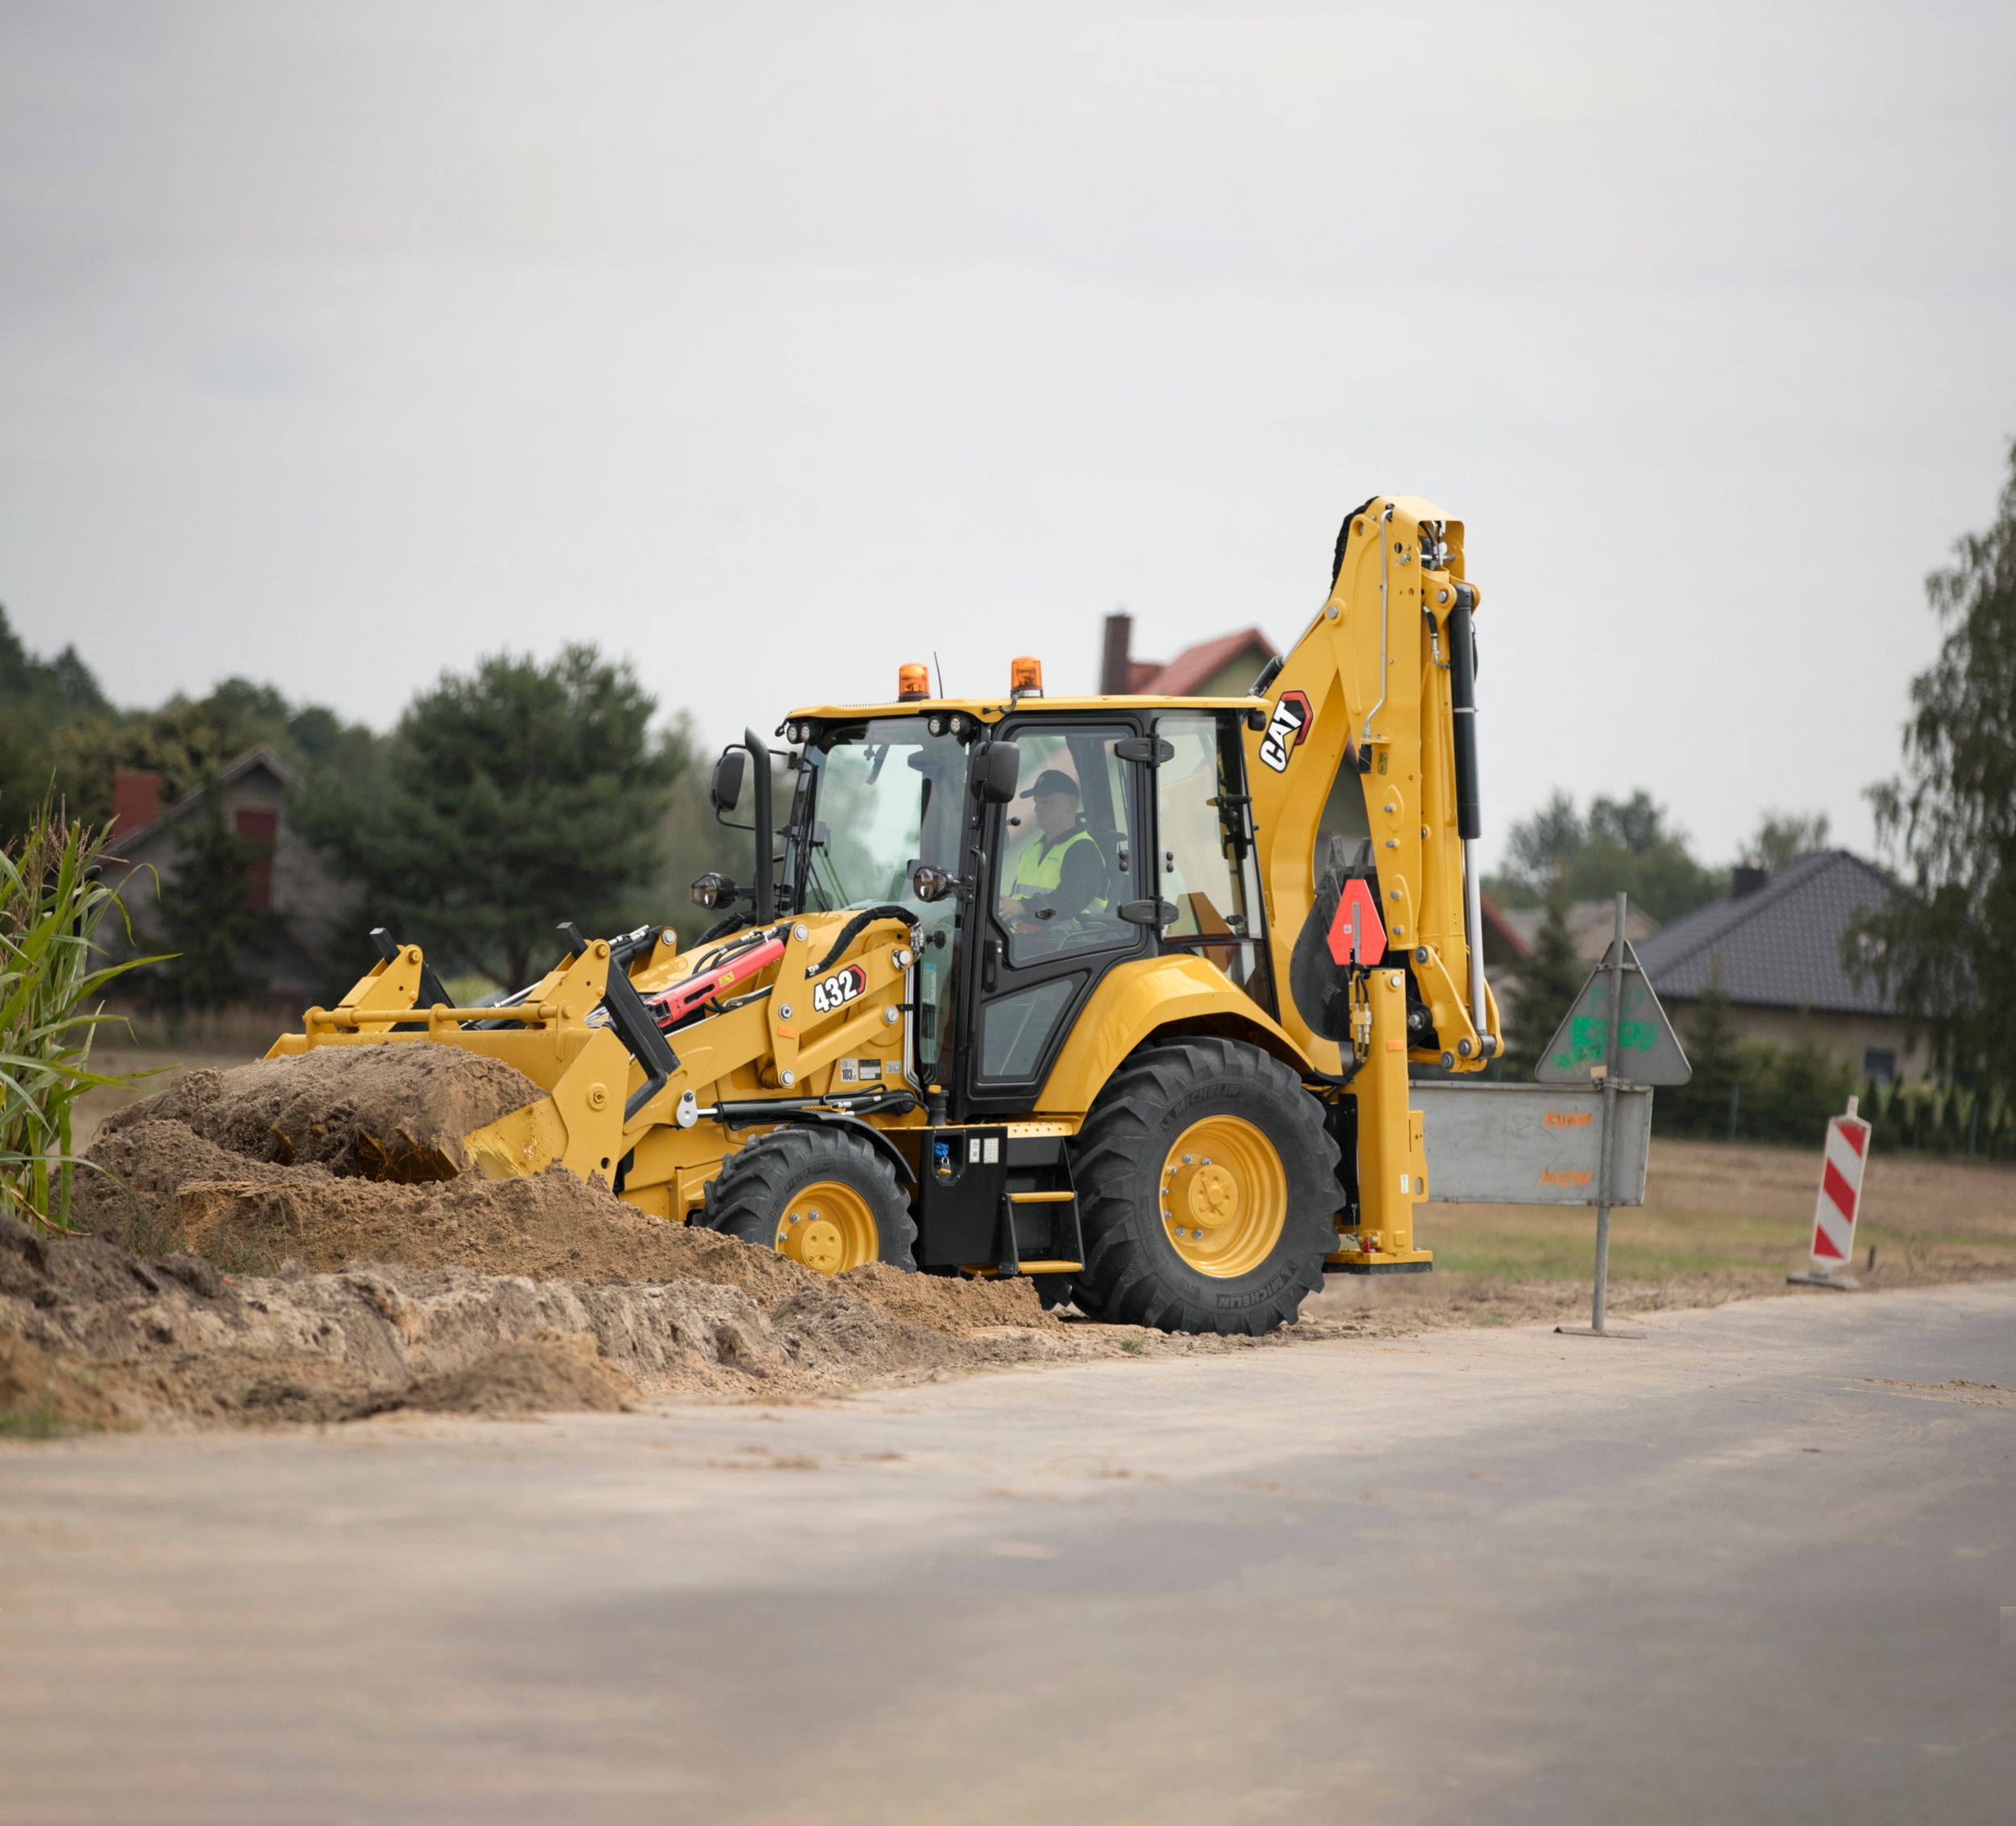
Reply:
x=1379, y=688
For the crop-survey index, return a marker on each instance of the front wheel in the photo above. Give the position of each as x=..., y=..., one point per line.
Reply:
x=1207, y=1186
x=826, y=1200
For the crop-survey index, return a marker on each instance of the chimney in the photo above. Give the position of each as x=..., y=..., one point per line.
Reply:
x=1747, y=878
x=136, y=796
x=1116, y=674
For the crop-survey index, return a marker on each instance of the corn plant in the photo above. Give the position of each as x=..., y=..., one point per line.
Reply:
x=51, y=904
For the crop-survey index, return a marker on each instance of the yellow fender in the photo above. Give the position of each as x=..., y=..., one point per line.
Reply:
x=1139, y=998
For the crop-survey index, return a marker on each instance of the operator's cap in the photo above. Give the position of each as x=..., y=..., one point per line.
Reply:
x=1052, y=781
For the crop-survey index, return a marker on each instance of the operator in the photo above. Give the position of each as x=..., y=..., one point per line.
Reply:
x=1060, y=872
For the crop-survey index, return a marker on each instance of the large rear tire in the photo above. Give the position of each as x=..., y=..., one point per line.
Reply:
x=826, y=1200
x=1207, y=1183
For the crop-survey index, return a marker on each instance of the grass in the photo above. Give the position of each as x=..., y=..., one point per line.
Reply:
x=1716, y=1209
x=41, y=1421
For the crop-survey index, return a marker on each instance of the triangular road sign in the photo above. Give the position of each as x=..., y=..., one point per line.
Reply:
x=1649, y=1051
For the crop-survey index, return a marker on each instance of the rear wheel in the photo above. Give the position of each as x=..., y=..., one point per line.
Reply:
x=826, y=1200
x=1207, y=1183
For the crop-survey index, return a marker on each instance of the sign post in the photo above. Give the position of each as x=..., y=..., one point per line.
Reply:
x=1616, y=1021
x=1840, y=1200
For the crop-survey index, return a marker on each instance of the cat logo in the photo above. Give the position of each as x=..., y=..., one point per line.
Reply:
x=837, y=990
x=1286, y=730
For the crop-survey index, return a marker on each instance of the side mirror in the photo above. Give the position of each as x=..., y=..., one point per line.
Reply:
x=725, y=791
x=715, y=889
x=997, y=771
x=929, y=884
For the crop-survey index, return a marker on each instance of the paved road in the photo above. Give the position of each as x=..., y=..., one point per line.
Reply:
x=1754, y=1565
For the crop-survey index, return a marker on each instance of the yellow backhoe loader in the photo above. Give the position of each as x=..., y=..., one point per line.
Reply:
x=1120, y=993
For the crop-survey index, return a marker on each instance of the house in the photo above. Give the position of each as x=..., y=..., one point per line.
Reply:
x=1775, y=942
x=1592, y=923
x=285, y=876
x=1506, y=945
x=1225, y=667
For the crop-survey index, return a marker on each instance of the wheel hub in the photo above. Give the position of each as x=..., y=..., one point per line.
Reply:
x=1224, y=1196
x=1213, y=1195
x=829, y=1228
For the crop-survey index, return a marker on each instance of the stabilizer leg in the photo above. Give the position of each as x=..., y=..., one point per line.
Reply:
x=1393, y=1166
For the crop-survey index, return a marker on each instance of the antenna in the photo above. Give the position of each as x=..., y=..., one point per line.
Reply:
x=939, y=670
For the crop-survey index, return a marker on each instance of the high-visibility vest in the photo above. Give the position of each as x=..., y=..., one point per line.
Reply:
x=1044, y=874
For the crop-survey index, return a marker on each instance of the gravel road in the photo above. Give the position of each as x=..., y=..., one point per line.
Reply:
x=1760, y=1563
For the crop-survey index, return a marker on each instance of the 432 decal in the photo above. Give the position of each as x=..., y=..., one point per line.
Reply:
x=839, y=988
x=1286, y=730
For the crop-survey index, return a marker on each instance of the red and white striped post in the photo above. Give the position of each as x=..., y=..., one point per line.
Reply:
x=1833, y=1216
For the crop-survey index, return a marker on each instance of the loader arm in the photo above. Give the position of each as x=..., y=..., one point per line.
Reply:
x=1376, y=687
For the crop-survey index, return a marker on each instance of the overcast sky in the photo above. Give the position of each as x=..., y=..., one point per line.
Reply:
x=771, y=345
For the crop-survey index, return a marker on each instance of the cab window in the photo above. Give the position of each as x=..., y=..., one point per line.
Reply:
x=1206, y=873
x=1067, y=840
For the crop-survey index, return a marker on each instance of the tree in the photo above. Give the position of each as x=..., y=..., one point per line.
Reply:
x=37, y=697
x=507, y=800
x=188, y=741
x=1550, y=979
x=1628, y=844
x=1541, y=849
x=208, y=921
x=1714, y=1053
x=1784, y=836
x=1942, y=949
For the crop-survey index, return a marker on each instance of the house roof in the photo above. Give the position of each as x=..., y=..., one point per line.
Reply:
x=1779, y=946
x=1592, y=923
x=1495, y=920
x=251, y=759
x=1192, y=667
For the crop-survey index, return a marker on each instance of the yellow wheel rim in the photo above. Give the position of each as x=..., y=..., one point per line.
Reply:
x=828, y=1227
x=1224, y=1196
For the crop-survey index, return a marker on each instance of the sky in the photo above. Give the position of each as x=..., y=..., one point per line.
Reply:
x=771, y=345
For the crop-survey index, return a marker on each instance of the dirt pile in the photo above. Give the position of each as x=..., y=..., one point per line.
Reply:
x=391, y=1113
x=554, y=1226
x=333, y=1260
x=285, y=1162
x=91, y=1335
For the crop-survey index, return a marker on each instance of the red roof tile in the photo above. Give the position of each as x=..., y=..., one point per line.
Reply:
x=1182, y=676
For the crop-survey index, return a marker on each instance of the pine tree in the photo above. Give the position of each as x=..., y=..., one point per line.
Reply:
x=207, y=918
x=1550, y=979
x=507, y=799
x=1712, y=1050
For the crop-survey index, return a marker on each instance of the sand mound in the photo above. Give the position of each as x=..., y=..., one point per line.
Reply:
x=145, y=1165
x=551, y=1227
x=396, y=1112
x=961, y=1306
x=527, y=1376
x=362, y=1271
x=92, y=1336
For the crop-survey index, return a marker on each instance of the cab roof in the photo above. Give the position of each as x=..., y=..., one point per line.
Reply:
x=992, y=711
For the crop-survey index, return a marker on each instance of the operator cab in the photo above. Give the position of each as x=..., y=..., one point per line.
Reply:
x=1037, y=844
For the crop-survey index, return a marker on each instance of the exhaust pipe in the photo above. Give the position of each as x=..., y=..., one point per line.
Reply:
x=766, y=899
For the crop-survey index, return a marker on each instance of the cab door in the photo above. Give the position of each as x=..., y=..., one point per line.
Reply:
x=1031, y=976
x=1208, y=874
